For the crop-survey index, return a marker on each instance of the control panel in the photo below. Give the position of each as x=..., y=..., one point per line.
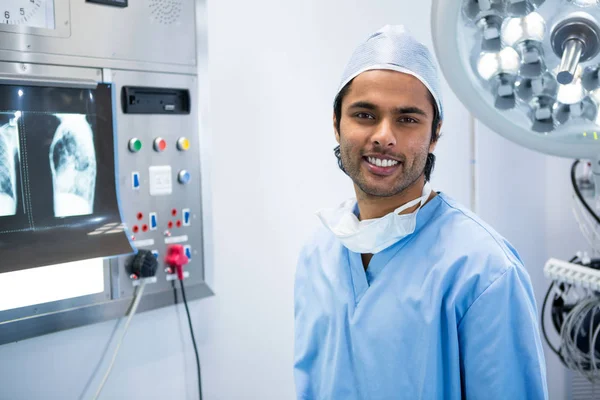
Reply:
x=138, y=102
x=159, y=171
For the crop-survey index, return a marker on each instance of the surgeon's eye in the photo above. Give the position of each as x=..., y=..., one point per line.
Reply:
x=363, y=115
x=407, y=120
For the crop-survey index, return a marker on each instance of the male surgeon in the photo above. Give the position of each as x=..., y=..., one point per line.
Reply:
x=404, y=293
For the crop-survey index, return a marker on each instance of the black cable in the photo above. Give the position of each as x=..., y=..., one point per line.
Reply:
x=187, y=310
x=578, y=193
x=174, y=292
x=555, y=351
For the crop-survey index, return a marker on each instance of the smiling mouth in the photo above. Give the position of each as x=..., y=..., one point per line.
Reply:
x=381, y=166
x=381, y=162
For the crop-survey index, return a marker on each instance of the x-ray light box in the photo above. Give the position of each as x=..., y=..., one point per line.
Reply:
x=58, y=196
x=51, y=283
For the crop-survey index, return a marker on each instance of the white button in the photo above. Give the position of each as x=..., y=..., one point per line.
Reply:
x=160, y=180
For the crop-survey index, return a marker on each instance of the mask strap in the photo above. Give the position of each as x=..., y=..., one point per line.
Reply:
x=420, y=200
x=426, y=193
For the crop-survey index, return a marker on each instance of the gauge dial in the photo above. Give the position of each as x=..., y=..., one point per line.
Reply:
x=31, y=13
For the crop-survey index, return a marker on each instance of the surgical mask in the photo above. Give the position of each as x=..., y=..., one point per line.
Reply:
x=373, y=235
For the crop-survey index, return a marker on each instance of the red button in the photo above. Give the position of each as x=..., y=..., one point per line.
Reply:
x=170, y=224
x=174, y=212
x=160, y=144
x=140, y=215
x=136, y=229
x=145, y=228
x=178, y=223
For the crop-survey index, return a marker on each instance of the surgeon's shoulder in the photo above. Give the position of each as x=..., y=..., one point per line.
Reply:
x=320, y=241
x=482, y=253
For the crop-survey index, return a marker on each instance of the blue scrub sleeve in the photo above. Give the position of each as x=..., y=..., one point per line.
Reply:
x=500, y=345
x=304, y=349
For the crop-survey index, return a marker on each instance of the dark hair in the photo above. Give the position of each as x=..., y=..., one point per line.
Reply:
x=337, y=109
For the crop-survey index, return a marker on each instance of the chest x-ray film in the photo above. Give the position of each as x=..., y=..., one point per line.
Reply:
x=58, y=195
x=9, y=163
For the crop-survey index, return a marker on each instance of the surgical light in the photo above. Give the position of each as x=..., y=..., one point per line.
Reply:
x=528, y=69
x=585, y=3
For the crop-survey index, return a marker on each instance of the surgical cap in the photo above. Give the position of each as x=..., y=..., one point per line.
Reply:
x=394, y=48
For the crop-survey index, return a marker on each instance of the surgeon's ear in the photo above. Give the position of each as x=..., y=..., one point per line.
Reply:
x=434, y=142
x=335, y=129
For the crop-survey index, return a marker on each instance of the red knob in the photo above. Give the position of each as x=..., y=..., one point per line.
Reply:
x=176, y=258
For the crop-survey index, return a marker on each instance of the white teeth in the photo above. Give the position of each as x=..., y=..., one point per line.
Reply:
x=382, y=163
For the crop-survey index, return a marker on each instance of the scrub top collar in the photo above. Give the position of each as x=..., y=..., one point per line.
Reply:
x=361, y=279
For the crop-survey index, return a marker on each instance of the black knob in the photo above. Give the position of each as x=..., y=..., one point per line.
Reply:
x=143, y=264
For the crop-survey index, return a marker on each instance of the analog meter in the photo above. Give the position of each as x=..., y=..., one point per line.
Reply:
x=28, y=13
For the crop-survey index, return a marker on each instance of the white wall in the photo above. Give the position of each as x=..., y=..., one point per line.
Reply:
x=274, y=68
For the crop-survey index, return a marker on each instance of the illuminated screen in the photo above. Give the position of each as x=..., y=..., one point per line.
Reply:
x=72, y=161
x=54, y=283
x=9, y=164
x=57, y=177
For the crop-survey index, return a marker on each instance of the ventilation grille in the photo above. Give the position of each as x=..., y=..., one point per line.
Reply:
x=166, y=12
x=582, y=389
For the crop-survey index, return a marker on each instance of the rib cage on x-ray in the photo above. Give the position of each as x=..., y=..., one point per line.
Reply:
x=71, y=160
x=58, y=176
x=73, y=164
x=9, y=161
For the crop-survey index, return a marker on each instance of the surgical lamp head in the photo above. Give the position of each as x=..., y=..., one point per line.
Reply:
x=528, y=69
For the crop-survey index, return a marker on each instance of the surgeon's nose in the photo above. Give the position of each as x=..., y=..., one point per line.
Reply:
x=383, y=136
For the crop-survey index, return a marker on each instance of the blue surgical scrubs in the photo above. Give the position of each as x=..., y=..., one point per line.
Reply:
x=448, y=313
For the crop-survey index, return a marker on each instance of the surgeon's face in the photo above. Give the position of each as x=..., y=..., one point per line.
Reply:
x=385, y=131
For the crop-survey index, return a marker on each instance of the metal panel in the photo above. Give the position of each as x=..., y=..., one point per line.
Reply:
x=146, y=32
x=97, y=312
x=40, y=319
x=118, y=43
x=582, y=389
x=147, y=128
x=61, y=21
x=204, y=137
x=49, y=74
